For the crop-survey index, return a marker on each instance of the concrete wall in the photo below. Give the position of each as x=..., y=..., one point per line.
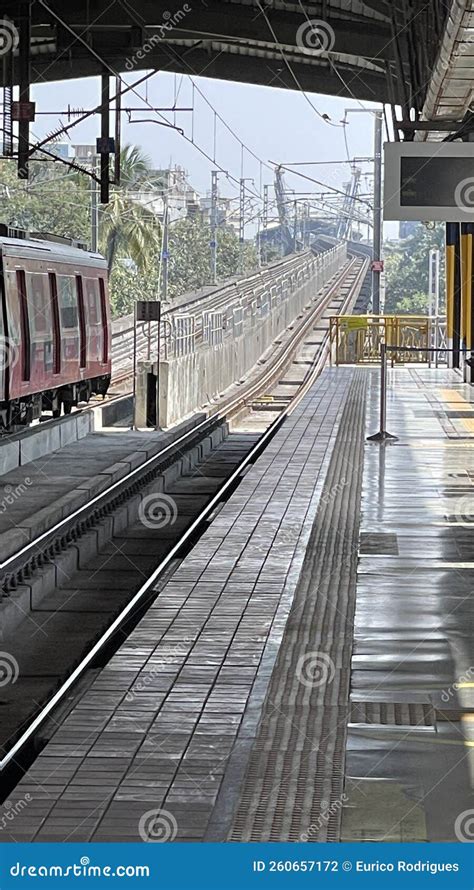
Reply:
x=21, y=448
x=192, y=381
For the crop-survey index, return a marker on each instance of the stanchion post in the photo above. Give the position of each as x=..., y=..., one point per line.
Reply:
x=382, y=435
x=134, y=404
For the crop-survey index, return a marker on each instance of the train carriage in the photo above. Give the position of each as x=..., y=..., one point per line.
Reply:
x=55, y=327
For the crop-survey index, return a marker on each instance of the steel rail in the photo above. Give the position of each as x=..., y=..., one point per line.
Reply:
x=147, y=587
x=222, y=411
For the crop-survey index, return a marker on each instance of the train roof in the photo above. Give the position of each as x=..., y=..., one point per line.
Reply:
x=38, y=248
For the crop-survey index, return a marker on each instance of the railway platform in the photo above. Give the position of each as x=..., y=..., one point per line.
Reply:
x=305, y=673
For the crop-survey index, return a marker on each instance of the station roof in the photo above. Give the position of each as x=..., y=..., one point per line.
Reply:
x=451, y=89
x=372, y=50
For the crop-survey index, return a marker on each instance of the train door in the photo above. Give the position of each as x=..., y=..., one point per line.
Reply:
x=69, y=325
x=95, y=330
x=4, y=352
x=17, y=355
x=41, y=331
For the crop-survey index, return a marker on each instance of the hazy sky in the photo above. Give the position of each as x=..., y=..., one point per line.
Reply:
x=278, y=125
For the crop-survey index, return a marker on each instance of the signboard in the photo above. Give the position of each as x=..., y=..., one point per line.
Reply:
x=429, y=181
x=148, y=310
x=377, y=266
x=23, y=111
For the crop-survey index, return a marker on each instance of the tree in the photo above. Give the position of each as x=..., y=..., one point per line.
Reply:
x=407, y=272
x=127, y=227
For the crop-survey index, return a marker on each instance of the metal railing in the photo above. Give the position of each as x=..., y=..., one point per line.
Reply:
x=226, y=311
x=357, y=339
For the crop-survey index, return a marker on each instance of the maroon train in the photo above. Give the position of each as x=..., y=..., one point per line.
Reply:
x=55, y=332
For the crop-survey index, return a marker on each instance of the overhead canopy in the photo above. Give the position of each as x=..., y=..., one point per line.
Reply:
x=372, y=50
x=451, y=89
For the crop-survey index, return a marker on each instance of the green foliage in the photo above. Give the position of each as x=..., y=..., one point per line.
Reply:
x=416, y=304
x=407, y=272
x=127, y=228
x=58, y=201
x=52, y=201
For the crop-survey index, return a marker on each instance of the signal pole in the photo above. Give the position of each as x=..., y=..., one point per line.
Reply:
x=213, y=242
x=242, y=226
x=263, y=246
x=94, y=207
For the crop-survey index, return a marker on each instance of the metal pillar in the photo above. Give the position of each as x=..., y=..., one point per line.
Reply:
x=377, y=243
x=264, y=245
x=94, y=210
x=433, y=292
x=24, y=92
x=165, y=247
x=213, y=241
x=242, y=226
x=105, y=140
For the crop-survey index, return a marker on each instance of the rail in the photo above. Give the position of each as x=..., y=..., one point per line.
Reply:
x=208, y=319
x=117, y=489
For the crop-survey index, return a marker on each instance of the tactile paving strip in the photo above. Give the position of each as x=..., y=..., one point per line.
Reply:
x=392, y=714
x=295, y=779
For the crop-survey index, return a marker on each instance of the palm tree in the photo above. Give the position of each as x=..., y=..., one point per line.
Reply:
x=127, y=227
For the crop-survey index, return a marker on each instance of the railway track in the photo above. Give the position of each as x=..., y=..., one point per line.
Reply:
x=111, y=554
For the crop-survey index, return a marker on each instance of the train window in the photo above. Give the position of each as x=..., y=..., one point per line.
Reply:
x=39, y=305
x=93, y=304
x=67, y=298
x=103, y=312
x=24, y=325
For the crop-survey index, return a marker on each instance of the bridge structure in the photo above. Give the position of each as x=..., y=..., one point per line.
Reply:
x=256, y=624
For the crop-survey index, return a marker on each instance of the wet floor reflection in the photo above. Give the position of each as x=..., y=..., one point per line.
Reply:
x=409, y=751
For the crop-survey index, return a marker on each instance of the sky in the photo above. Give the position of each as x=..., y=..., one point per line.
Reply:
x=277, y=125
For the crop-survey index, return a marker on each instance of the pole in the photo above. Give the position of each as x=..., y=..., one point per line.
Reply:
x=382, y=435
x=158, y=373
x=165, y=246
x=377, y=245
x=134, y=424
x=213, y=242
x=242, y=226
x=94, y=209
x=265, y=223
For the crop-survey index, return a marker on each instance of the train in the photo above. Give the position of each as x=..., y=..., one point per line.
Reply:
x=55, y=326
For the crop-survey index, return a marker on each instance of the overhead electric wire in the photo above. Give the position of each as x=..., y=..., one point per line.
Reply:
x=323, y=117
x=132, y=88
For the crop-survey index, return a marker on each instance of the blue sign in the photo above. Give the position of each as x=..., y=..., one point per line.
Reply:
x=177, y=866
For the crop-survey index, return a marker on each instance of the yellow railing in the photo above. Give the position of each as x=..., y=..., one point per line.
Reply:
x=356, y=339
